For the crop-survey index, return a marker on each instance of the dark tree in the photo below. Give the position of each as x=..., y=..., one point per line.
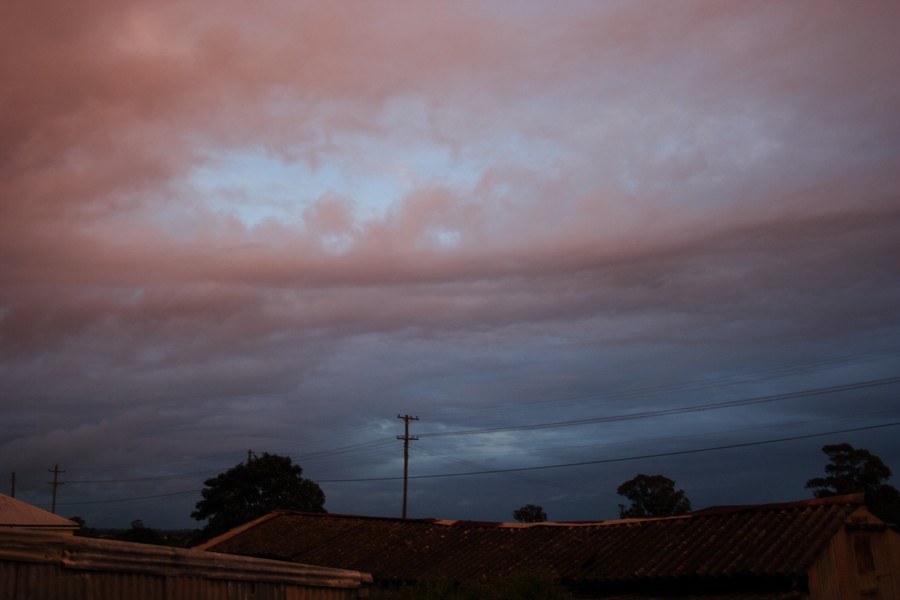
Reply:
x=141, y=534
x=530, y=513
x=852, y=470
x=652, y=496
x=253, y=489
x=83, y=530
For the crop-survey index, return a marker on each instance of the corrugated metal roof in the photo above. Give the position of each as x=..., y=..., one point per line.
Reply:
x=42, y=565
x=15, y=513
x=776, y=541
x=80, y=554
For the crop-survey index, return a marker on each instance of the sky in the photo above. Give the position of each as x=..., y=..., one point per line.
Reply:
x=578, y=240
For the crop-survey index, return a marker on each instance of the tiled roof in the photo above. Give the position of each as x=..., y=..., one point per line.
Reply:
x=15, y=513
x=769, y=541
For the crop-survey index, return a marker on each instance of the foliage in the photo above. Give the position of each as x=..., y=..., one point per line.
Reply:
x=530, y=513
x=83, y=530
x=178, y=538
x=852, y=470
x=652, y=496
x=524, y=586
x=141, y=534
x=253, y=489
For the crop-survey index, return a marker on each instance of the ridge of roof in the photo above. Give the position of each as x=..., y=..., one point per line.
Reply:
x=237, y=531
x=432, y=520
x=855, y=499
x=851, y=499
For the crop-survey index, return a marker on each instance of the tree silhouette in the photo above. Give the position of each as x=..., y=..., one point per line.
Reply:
x=253, y=489
x=852, y=470
x=530, y=513
x=141, y=534
x=652, y=496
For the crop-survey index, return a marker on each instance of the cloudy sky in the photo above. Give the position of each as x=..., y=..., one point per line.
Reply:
x=578, y=240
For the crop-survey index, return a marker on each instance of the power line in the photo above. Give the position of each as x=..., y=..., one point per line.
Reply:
x=673, y=411
x=707, y=383
x=577, y=422
x=702, y=384
x=333, y=451
x=792, y=425
x=621, y=459
x=55, y=483
x=345, y=449
x=526, y=478
x=140, y=479
x=535, y=468
x=537, y=426
x=131, y=499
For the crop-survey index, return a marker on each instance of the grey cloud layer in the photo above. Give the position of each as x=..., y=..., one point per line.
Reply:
x=598, y=187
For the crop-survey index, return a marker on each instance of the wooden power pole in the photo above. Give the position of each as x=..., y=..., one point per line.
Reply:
x=55, y=483
x=406, y=440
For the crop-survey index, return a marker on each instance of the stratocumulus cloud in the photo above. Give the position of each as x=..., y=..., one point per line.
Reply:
x=224, y=228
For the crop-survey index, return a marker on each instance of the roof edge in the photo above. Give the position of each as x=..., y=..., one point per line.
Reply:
x=90, y=554
x=849, y=499
x=237, y=530
x=854, y=499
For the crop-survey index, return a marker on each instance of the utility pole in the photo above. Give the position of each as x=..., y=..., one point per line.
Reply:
x=13, y=494
x=55, y=483
x=406, y=439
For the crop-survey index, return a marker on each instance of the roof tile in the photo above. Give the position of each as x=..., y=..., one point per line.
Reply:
x=769, y=540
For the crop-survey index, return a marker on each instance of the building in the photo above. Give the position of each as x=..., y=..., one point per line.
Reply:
x=39, y=566
x=823, y=549
x=16, y=514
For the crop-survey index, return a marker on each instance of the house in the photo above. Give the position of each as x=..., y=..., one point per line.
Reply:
x=21, y=515
x=822, y=549
x=36, y=565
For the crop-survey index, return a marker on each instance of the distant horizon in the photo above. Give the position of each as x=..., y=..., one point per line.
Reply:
x=199, y=527
x=809, y=495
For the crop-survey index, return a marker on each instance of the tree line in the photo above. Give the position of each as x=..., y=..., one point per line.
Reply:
x=849, y=470
x=269, y=482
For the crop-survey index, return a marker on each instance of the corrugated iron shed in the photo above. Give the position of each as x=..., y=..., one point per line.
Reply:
x=15, y=513
x=40, y=565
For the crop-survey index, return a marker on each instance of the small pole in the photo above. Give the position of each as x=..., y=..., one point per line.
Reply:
x=13, y=486
x=406, y=439
x=56, y=483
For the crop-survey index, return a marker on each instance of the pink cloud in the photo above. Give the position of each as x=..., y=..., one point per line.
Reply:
x=596, y=171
